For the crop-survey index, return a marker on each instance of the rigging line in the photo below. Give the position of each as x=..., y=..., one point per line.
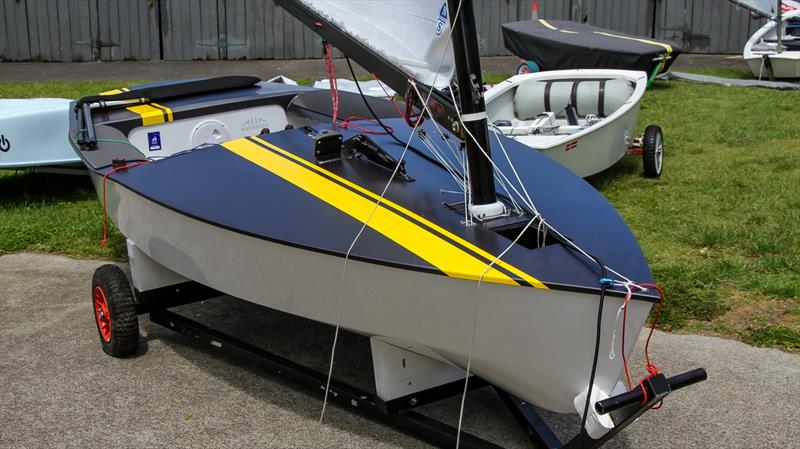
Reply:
x=366, y=222
x=513, y=169
x=426, y=141
x=442, y=155
x=553, y=229
x=495, y=167
x=467, y=191
x=598, y=330
x=388, y=129
x=475, y=327
x=437, y=152
x=344, y=268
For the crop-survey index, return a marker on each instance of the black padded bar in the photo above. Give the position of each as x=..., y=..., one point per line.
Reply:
x=158, y=93
x=634, y=396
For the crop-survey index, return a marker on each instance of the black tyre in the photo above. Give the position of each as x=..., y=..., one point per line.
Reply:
x=653, y=151
x=114, y=311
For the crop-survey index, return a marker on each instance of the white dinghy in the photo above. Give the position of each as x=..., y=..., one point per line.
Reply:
x=32, y=134
x=584, y=119
x=774, y=50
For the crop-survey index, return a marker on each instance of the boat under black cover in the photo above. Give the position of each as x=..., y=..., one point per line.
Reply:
x=561, y=44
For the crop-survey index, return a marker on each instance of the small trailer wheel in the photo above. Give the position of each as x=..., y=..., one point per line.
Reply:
x=115, y=311
x=527, y=67
x=653, y=151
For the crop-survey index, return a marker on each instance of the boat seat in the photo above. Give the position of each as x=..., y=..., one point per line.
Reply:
x=599, y=97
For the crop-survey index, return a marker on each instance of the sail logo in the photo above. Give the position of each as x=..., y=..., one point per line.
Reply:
x=441, y=22
x=154, y=141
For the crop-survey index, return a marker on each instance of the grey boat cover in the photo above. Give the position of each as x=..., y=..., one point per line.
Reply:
x=560, y=44
x=706, y=79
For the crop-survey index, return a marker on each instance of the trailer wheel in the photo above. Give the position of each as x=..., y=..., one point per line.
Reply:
x=114, y=311
x=527, y=67
x=653, y=151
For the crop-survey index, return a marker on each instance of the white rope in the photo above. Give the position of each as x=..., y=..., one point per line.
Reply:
x=554, y=230
x=475, y=328
x=364, y=226
x=513, y=169
x=611, y=354
x=440, y=157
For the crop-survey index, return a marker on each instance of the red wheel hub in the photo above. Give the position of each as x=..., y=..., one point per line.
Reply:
x=101, y=314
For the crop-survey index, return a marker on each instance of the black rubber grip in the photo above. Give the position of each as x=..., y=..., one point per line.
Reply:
x=635, y=396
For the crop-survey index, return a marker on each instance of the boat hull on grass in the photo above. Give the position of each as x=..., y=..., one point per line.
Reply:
x=762, y=45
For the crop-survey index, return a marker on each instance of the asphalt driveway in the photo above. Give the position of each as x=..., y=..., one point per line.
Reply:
x=58, y=389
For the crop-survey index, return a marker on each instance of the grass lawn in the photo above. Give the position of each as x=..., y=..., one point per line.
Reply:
x=720, y=227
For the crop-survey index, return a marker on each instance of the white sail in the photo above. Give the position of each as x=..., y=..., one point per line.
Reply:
x=767, y=8
x=411, y=34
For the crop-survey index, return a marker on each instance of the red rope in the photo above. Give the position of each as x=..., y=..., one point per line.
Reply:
x=396, y=108
x=651, y=368
x=347, y=124
x=331, y=71
x=105, y=212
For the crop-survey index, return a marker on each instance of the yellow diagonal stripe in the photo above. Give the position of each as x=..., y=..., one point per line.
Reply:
x=444, y=232
x=666, y=47
x=547, y=24
x=440, y=253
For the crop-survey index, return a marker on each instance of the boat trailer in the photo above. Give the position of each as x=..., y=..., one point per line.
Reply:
x=156, y=290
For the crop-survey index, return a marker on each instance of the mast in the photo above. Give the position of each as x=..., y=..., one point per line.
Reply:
x=473, y=109
x=779, y=29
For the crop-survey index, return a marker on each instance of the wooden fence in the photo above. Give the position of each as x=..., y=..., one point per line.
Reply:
x=115, y=30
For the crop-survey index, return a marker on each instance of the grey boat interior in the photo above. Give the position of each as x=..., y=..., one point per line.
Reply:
x=558, y=107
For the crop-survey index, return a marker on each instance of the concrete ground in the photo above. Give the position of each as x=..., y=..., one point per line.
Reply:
x=59, y=390
x=307, y=68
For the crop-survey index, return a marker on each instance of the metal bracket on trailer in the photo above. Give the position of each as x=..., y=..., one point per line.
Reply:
x=399, y=412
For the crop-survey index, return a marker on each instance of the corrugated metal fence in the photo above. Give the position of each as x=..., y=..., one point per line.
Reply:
x=114, y=30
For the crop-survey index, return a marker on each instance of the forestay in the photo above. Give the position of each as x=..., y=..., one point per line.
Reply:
x=412, y=34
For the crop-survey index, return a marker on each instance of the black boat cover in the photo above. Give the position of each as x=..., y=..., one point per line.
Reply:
x=560, y=44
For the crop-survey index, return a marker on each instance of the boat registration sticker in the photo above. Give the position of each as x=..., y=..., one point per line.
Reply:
x=572, y=145
x=154, y=141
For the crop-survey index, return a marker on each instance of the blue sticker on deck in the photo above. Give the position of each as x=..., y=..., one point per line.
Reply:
x=442, y=20
x=154, y=140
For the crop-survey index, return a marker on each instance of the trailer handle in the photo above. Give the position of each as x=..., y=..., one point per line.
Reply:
x=636, y=396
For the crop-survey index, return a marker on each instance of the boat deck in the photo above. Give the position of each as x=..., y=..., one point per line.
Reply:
x=271, y=187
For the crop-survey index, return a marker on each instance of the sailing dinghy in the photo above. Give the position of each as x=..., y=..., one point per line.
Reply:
x=456, y=251
x=774, y=50
x=584, y=119
x=24, y=145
